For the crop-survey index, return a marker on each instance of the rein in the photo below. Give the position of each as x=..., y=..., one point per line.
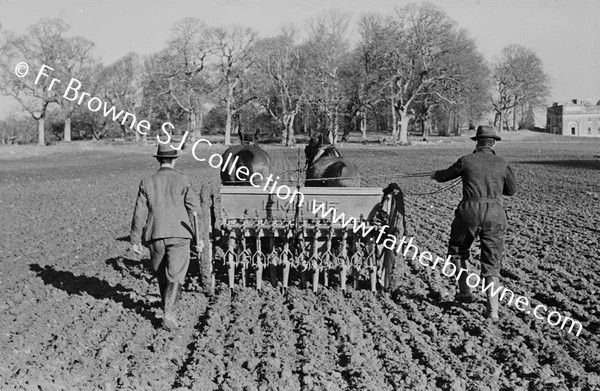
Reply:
x=413, y=175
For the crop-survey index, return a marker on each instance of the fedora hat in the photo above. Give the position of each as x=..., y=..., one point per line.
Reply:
x=486, y=131
x=166, y=151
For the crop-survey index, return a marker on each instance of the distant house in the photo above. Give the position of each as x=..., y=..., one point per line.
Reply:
x=575, y=118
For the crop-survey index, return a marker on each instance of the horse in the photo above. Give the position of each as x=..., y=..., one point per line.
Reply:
x=324, y=161
x=248, y=154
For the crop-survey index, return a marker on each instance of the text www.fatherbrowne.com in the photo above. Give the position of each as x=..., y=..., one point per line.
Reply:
x=449, y=269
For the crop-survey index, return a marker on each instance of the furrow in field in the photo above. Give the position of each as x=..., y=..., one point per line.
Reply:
x=204, y=364
x=317, y=366
x=276, y=359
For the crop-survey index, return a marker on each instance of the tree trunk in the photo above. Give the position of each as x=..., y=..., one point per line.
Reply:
x=506, y=121
x=145, y=137
x=522, y=116
x=284, y=129
x=330, y=135
x=456, y=122
x=363, y=125
x=290, y=137
x=228, y=123
x=200, y=122
x=501, y=121
x=336, y=125
x=67, y=132
x=514, y=119
x=426, y=128
x=194, y=125
x=305, y=126
x=41, y=139
x=332, y=127
x=457, y=128
x=394, y=121
x=404, y=121
x=235, y=124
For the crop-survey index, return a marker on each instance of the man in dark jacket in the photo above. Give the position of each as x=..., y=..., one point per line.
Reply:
x=486, y=177
x=163, y=222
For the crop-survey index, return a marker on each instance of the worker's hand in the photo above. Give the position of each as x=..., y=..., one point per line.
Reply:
x=137, y=248
x=432, y=176
x=381, y=218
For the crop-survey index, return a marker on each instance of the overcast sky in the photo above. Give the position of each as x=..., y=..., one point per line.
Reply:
x=564, y=33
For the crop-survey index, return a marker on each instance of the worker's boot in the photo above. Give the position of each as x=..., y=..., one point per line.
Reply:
x=162, y=288
x=172, y=293
x=464, y=294
x=493, y=303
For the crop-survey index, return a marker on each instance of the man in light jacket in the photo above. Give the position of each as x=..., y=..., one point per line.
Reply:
x=163, y=222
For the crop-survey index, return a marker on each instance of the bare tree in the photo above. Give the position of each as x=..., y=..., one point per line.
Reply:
x=365, y=78
x=41, y=45
x=278, y=81
x=122, y=84
x=327, y=47
x=519, y=78
x=158, y=105
x=464, y=97
x=415, y=53
x=183, y=63
x=76, y=61
x=233, y=48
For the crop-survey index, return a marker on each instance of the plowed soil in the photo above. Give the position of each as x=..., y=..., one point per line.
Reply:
x=79, y=312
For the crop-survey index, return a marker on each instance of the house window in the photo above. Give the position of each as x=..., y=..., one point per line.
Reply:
x=589, y=130
x=572, y=129
x=589, y=119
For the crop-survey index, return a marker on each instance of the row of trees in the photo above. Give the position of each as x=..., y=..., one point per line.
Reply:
x=413, y=67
